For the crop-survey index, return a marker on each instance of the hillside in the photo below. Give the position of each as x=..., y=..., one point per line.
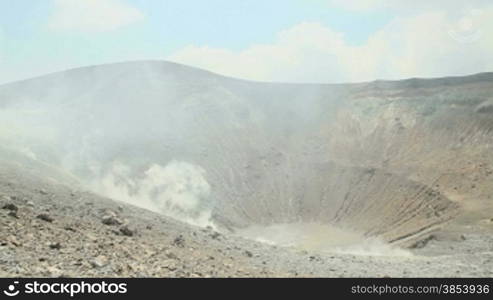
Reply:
x=400, y=162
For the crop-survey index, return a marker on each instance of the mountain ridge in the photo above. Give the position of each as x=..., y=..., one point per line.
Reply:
x=481, y=76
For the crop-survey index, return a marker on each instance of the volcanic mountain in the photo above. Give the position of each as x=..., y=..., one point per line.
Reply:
x=394, y=160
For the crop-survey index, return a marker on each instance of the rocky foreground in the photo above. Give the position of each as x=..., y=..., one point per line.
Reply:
x=49, y=229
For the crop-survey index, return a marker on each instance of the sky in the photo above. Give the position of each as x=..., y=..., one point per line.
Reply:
x=277, y=40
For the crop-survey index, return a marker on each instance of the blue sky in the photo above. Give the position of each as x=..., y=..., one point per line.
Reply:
x=297, y=40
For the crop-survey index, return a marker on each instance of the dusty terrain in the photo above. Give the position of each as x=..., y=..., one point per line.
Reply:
x=371, y=179
x=74, y=241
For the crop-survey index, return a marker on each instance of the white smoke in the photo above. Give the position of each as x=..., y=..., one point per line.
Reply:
x=322, y=238
x=178, y=190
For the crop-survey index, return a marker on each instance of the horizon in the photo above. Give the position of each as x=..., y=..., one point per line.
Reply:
x=330, y=41
x=241, y=79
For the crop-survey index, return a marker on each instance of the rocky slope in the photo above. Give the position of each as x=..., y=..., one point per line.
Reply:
x=408, y=163
x=54, y=230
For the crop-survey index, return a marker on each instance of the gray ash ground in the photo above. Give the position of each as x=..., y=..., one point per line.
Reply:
x=53, y=230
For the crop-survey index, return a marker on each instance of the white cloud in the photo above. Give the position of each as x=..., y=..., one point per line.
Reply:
x=359, y=4
x=92, y=15
x=408, y=6
x=425, y=45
